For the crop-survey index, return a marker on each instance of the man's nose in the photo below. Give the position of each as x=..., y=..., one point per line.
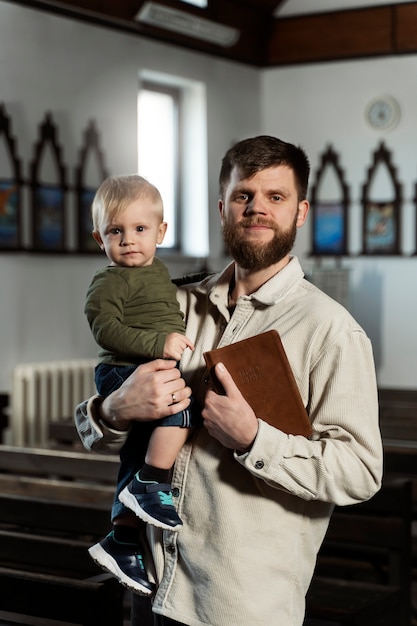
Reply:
x=255, y=206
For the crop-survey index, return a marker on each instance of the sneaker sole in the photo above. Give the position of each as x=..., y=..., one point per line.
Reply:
x=130, y=501
x=106, y=562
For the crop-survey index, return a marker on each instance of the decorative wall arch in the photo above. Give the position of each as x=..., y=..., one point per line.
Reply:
x=381, y=220
x=10, y=190
x=48, y=199
x=330, y=219
x=84, y=191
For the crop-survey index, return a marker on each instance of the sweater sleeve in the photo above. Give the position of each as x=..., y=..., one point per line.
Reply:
x=342, y=463
x=105, y=311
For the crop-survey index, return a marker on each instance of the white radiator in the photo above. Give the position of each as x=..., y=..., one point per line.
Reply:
x=44, y=392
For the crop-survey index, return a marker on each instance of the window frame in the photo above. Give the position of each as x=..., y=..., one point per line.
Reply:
x=175, y=93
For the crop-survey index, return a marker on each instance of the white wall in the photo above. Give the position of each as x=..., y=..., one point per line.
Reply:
x=81, y=72
x=314, y=105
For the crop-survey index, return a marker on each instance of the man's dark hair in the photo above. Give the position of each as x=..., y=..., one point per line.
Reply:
x=258, y=153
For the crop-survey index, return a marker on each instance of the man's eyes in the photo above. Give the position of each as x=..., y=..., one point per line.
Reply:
x=245, y=197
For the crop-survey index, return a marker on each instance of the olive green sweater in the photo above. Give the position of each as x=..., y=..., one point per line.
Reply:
x=131, y=310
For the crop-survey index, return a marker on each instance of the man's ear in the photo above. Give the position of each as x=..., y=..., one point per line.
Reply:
x=98, y=238
x=221, y=210
x=162, y=229
x=303, y=208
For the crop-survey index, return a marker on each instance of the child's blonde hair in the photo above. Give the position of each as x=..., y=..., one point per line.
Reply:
x=117, y=192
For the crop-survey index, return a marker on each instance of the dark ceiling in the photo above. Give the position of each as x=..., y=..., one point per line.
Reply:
x=264, y=40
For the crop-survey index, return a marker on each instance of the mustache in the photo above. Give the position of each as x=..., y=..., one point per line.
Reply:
x=246, y=222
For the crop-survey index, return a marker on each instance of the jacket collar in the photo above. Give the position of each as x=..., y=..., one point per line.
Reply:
x=217, y=286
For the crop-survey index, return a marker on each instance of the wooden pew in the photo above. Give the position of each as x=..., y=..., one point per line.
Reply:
x=398, y=415
x=332, y=599
x=66, y=464
x=62, y=433
x=65, y=475
x=43, y=548
x=92, y=602
x=394, y=400
x=53, y=506
x=53, y=517
x=398, y=422
x=4, y=418
x=363, y=573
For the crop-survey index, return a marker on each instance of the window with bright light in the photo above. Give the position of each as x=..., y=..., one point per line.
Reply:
x=172, y=154
x=158, y=137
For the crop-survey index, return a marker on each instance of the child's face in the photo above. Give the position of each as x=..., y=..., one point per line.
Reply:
x=130, y=239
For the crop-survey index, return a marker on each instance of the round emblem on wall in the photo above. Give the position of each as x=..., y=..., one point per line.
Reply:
x=383, y=113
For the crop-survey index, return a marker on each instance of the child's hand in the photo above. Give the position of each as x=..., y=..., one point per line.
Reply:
x=175, y=344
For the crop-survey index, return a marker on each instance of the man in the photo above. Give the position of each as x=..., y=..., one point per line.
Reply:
x=255, y=501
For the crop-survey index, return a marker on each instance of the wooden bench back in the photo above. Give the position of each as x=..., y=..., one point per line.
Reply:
x=53, y=506
x=367, y=547
x=59, y=463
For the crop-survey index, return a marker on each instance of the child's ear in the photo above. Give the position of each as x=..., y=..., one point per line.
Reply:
x=162, y=229
x=98, y=238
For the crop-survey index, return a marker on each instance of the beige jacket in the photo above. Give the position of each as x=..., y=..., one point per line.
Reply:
x=253, y=524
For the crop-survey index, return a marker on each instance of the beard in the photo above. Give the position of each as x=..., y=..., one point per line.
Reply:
x=257, y=256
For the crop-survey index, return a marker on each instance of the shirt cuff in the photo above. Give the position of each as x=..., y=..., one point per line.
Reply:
x=95, y=434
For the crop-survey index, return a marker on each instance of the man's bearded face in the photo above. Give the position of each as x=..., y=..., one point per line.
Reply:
x=252, y=255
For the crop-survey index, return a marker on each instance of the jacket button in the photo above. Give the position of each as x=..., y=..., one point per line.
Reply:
x=175, y=492
x=170, y=548
x=259, y=465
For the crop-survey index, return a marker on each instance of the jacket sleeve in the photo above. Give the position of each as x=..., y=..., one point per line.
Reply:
x=93, y=432
x=342, y=462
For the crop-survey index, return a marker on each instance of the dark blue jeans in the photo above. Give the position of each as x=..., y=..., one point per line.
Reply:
x=108, y=378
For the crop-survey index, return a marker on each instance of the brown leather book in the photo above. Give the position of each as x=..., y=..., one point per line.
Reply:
x=260, y=368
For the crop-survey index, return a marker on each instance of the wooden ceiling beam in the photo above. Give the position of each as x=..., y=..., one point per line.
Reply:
x=406, y=27
x=264, y=41
x=255, y=26
x=349, y=34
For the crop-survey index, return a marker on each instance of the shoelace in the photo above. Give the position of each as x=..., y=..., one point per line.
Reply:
x=165, y=498
x=140, y=561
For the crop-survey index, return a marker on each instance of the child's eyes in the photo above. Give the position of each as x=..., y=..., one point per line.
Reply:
x=117, y=231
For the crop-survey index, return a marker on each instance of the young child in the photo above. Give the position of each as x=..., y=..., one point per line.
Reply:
x=134, y=315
